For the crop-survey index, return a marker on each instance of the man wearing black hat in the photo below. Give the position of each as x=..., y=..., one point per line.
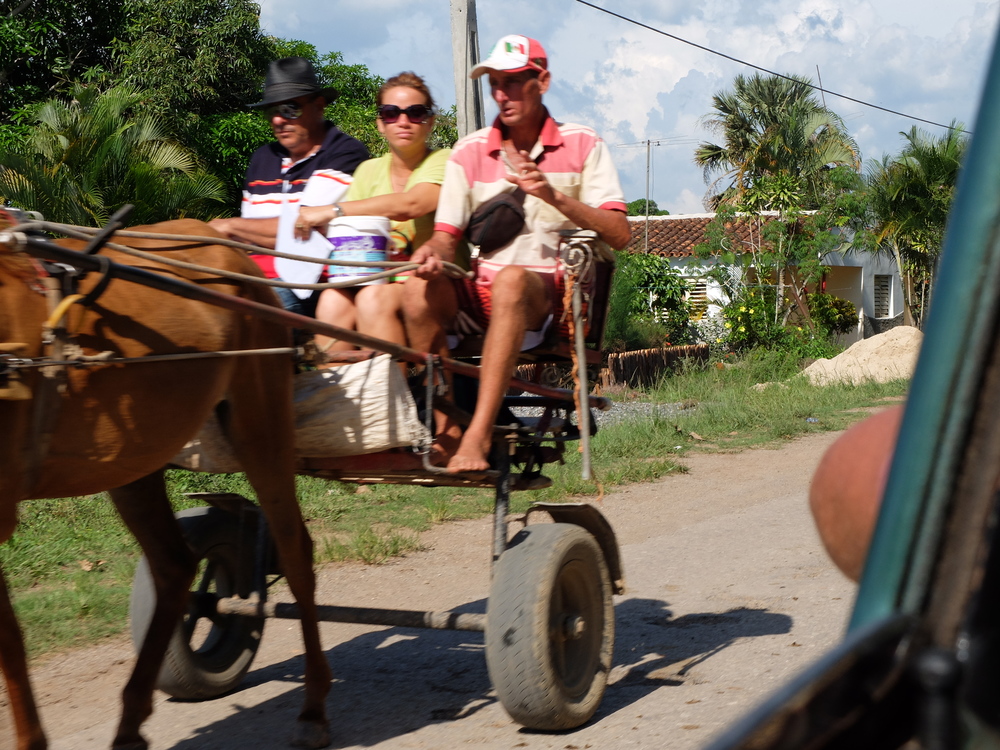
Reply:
x=310, y=164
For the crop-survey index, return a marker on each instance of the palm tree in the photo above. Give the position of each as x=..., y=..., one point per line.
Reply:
x=909, y=197
x=773, y=132
x=91, y=155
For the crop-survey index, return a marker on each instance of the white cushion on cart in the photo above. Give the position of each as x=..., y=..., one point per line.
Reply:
x=364, y=407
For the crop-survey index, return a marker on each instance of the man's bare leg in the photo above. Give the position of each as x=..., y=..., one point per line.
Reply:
x=519, y=304
x=428, y=306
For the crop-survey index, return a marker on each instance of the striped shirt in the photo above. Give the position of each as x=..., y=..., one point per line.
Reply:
x=575, y=161
x=273, y=179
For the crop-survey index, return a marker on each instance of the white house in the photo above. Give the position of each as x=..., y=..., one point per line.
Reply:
x=872, y=283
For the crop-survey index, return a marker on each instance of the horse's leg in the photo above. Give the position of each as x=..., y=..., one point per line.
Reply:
x=13, y=661
x=145, y=509
x=260, y=403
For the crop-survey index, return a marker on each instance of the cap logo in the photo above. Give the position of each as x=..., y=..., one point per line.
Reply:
x=518, y=48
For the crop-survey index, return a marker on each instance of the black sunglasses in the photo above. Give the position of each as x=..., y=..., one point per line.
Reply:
x=288, y=110
x=415, y=113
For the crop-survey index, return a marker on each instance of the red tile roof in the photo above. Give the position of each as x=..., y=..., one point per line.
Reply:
x=677, y=236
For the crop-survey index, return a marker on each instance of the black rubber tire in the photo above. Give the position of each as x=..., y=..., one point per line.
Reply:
x=217, y=663
x=548, y=576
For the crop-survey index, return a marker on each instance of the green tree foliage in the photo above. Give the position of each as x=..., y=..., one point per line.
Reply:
x=749, y=321
x=89, y=156
x=833, y=314
x=355, y=108
x=777, y=144
x=781, y=150
x=194, y=57
x=445, y=131
x=45, y=44
x=908, y=198
x=648, y=304
x=199, y=63
x=224, y=143
x=780, y=260
x=639, y=208
x=749, y=324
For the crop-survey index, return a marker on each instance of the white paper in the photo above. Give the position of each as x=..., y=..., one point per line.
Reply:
x=317, y=246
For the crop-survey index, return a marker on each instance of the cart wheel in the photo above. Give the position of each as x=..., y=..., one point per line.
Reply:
x=550, y=628
x=209, y=653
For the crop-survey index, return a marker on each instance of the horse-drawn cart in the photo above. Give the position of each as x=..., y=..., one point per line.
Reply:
x=549, y=623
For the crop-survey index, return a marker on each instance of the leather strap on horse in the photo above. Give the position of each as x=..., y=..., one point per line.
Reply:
x=48, y=388
x=107, y=273
x=11, y=387
x=116, y=222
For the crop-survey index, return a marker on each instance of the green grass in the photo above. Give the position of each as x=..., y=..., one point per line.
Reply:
x=732, y=414
x=69, y=565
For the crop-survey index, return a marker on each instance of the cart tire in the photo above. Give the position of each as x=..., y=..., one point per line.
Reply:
x=206, y=657
x=550, y=628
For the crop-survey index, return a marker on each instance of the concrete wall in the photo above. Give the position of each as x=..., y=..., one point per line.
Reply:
x=847, y=283
x=871, y=266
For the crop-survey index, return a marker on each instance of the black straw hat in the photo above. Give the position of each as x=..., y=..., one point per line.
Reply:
x=291, y=77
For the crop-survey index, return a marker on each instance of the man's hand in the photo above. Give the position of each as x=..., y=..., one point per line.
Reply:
x=433, y=253
x=251, y=231
x=431, y=264
x=530, y=178
x=312, y=217
x=612, y=226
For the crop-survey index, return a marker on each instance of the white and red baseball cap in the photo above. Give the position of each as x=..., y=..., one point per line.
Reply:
x=512, y=54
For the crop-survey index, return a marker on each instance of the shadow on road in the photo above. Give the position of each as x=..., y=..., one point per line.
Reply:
x=655, y=650
x=390, y=682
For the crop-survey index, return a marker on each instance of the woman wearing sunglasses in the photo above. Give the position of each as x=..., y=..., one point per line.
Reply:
x=403, y=185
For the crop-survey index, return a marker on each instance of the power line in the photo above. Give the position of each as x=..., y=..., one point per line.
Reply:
x=766, y=70
x=677, y=140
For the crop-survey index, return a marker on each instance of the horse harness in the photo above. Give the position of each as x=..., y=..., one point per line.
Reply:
x=59, y=284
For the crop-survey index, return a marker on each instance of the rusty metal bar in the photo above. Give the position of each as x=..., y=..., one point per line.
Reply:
x=101, y=360
x=398, y=618
x=48, y=250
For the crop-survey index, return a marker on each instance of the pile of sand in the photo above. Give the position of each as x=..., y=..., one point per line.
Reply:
x=888, y=356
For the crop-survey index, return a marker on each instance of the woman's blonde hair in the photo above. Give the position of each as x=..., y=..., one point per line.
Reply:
x=409, y=80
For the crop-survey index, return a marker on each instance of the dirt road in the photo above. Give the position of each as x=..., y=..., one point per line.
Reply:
x=729, y=594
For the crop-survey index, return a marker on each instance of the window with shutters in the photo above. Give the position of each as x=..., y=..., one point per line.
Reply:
x=697, y=297
x=883, y=287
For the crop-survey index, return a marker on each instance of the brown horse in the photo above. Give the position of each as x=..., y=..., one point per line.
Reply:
x=116, y=426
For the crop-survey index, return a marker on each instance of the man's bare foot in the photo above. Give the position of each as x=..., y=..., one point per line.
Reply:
x=470, y=456
x=460, y=464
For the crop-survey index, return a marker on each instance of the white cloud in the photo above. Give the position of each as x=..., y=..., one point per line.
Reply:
x=920, y=57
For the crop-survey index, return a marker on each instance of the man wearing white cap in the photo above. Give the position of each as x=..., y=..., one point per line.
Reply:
x=565, y=177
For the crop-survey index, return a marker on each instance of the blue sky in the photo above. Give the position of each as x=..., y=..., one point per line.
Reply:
x=921, y=57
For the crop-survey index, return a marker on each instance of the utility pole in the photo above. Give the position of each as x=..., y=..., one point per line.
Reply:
x=821, y=91
x=646, y=248
x=465, y=53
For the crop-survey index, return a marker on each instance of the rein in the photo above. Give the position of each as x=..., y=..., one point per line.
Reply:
x=392, y=268
x=48, y=250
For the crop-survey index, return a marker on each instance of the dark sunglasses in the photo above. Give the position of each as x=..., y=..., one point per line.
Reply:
x=415, y=113
x=288, y=110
